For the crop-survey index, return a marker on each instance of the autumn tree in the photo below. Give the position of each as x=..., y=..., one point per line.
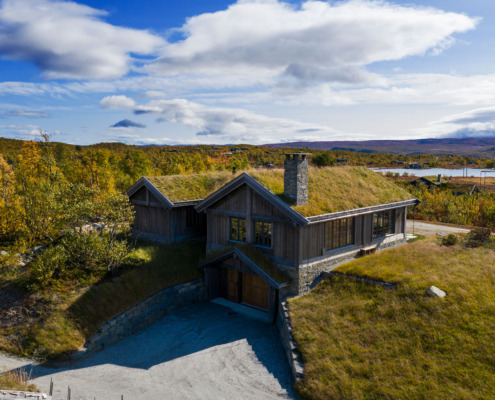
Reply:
x=10, y=210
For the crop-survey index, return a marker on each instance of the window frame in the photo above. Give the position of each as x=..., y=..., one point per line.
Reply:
x=238, y=222
x=336, y=237
x=383, y=223
x=264, y=233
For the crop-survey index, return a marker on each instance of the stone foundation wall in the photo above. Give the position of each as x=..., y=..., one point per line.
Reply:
x=309, y=271
x=284, y=327
x=144, y=314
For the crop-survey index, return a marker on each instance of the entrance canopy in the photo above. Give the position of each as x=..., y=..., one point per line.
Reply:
x=254, y=260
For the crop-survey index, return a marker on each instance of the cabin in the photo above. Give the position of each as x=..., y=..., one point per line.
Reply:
x=423, y=181
x=164, y=206
x=270, y=233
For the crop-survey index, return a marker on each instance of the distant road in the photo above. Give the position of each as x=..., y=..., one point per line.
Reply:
x=429, y=228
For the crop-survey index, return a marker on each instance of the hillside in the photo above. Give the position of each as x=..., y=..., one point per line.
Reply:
x=480, y=147
x=360, y=341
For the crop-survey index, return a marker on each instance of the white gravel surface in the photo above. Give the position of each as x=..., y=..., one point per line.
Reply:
x=204, y=351
x=425, y=228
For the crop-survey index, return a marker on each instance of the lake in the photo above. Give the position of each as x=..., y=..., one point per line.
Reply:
x=475, y=172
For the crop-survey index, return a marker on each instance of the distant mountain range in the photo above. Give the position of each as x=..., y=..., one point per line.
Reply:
x=480, y=147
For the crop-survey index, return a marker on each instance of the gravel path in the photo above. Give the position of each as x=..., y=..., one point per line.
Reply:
x=204, y=351
x=425, y=228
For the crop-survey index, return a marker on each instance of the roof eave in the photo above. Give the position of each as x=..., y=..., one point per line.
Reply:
x=152, y=188
x=360, y=211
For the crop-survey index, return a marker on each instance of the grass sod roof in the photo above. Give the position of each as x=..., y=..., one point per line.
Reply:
x=190, y=187
x=330, y=189
x=335, y=189
x=256, y=256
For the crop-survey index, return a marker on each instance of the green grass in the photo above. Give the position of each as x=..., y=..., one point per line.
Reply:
x=70, y=315
x=161, y=267
x=365, y=342
x=190, y=187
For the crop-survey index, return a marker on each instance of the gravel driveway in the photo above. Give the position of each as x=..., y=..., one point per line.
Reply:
x=205, y=351
x=425, y=228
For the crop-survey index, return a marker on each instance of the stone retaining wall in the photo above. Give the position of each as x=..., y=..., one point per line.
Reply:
x=144, y=314
x=309, y=271
x=290, y=346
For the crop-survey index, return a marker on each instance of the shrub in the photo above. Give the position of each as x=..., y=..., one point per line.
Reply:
x=477, y=237
x=46, y=264
x=323, y=160
x=449, y=240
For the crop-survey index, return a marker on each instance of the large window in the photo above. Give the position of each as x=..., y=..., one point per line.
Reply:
x=263, y=233
x=383, y=223
x=238, y=229
x=340, y=233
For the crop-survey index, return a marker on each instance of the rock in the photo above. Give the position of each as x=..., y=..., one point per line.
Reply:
x=3, y=253
x=442, y=234
x=433, y=291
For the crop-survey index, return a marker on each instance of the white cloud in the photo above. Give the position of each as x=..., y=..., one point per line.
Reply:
x=474, y=123
x=232, y=124
x=30, y=132
x=318, y=41
x=67, y=40
x=26, y=114
x=440, y=89
x=117, y=102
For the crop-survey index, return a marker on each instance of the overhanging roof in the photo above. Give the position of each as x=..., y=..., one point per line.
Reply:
x=245, y=179
x=143, y=182
x=252, y=265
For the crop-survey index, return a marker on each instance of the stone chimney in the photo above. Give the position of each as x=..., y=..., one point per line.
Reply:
x=296, y=178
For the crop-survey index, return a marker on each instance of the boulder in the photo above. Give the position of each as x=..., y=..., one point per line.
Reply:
x=433, y=291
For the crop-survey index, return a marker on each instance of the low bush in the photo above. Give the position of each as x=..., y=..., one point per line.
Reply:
x=477, y=237
x=449, y=240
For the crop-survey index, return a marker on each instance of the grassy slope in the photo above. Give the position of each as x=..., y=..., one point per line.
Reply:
x=360, y=341
x=72, y=314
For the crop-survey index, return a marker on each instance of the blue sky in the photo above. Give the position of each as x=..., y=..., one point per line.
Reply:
x=251, y=71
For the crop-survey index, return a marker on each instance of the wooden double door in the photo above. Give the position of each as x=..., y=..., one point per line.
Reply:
x=247, y=288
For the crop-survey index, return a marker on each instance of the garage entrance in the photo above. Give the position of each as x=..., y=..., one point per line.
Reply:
x=236, y=277
x=248, y=289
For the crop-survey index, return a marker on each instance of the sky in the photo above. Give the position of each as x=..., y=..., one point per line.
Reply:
x=251, y=71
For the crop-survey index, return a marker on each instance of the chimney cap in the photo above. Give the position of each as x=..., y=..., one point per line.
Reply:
x=295, y=156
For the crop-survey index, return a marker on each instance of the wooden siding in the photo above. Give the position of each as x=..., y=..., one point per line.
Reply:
x=171, y=224
x=246, y=203
x=151, y=220
x=313, y=240
x=314, y=235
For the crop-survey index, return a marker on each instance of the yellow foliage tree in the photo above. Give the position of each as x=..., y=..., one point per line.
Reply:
x=10, y=210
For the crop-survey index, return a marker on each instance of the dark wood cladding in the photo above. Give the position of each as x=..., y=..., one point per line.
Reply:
x=314, y=235
x=152, y=220
x=246, y=203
